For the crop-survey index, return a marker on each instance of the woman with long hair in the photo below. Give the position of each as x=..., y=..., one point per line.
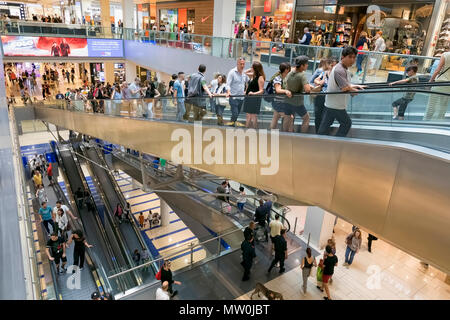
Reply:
x=220, y=103
x=353, y=242
x=79, y=250
x=307, y=263
x=252, y=104
x=280, y=89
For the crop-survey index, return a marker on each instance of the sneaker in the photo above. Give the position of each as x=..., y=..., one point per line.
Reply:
x=282, y=270
x=231, y=123
x=345, y=264
x=81, y=269
x=238, y=124
x=394, y=118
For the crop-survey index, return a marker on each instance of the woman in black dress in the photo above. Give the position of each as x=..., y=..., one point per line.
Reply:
x=255, y=87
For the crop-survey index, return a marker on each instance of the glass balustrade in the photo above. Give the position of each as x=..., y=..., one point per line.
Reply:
x=371, y=67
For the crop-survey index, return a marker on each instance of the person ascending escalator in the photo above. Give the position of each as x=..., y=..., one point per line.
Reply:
x=261, y=217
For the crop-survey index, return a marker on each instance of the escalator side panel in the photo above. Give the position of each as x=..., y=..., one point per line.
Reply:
x=306, y=174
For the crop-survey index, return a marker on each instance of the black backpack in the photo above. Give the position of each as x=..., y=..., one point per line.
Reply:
x=270, y=90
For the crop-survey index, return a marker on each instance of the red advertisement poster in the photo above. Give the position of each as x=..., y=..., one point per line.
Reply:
x=44, y=46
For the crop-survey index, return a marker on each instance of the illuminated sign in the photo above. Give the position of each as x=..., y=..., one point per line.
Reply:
x=61, y=47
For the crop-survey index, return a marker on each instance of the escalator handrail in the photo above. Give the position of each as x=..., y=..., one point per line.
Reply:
x=122, y=246
x=122, y=199
x=192, y=184
x=110, y=217
x=99, y=226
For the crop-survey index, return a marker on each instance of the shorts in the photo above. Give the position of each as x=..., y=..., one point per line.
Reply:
x=279, y=106
x=326, y=277
x=58, y=257
x=300, y=110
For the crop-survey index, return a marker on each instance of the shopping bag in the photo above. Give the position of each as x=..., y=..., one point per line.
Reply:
x=158, y=275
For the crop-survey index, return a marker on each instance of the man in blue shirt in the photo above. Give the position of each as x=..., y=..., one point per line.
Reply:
x=45, y=216
x=178, y=91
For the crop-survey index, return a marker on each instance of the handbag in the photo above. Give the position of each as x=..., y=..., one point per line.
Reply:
x=158, y=275
x=348, y=240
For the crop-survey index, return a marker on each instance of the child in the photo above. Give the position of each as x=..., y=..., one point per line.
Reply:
x=241, y=200
x=141, y=220
x=319, y=275
x=400, y=105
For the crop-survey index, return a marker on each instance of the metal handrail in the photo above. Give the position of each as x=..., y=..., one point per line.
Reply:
x=130, y=33
x=175, y=253
x=26, y=214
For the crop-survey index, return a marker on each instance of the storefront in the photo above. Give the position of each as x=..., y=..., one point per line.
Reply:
x=13, y=9
x=272, y=19
x=404, y=23
x=196, y=15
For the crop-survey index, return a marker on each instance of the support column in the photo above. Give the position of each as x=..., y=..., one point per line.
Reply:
x=129, y=20
x=224, y=14
x=319, y=226
x=144, y=175
x=105, y=16
x=130, y=71
x=164, y=212
x=109, y=72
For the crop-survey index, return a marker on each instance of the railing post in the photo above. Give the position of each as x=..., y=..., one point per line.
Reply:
x=295, y=225
x=219, y=246
x=270, y=52
x=365, y=68
x=309, y=237
x=192, y=253
x=291, y=55
x=315, y=58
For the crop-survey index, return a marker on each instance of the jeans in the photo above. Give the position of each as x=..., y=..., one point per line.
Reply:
x=401, y=103
x=319, y=107
x=219, y=109
x=341, y=116
x=181, y=109
x=359, y=61
x=349, y=255
x=240, y=206
x=236, y=105
x=46, y=222
x=212, y=105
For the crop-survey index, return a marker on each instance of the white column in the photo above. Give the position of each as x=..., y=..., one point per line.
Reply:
x=130, y=71
x=165, y=219
x=319, y=226
x=224, y=14
x=129, y=21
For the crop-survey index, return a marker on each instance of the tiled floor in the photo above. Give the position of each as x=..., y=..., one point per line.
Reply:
x=386, y=273
x=168, y=240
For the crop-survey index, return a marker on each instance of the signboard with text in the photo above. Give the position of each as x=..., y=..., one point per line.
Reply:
x=24, y=46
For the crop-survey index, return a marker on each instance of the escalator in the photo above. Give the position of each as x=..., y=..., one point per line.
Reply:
x=398, y=192
x=101, y=235
x=108, y=187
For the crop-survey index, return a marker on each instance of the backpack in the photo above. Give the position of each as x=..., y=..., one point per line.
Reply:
x=270, y=90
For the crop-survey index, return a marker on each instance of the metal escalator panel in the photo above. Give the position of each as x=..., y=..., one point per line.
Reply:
x=398, y=192
x=130, y=234
x=102, y=235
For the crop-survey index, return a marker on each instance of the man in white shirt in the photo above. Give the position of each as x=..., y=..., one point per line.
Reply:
x=236, y=83
x=162, y=293
x=64, y=207
x=246, y=37
x=275, y=229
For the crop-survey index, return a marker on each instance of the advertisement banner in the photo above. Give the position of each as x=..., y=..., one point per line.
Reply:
x=23, y=46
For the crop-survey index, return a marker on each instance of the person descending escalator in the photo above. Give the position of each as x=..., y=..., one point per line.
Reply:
x=56, y=251
x=166, y=275
x=79, y=250
x=118, y=212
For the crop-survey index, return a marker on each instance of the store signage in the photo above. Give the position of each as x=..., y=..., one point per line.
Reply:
x=268, y=6
x=23, y=46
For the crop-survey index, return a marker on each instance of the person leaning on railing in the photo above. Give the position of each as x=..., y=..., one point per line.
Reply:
x=438, y=104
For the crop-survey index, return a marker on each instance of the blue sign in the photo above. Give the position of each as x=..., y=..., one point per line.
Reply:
x=105, y=48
